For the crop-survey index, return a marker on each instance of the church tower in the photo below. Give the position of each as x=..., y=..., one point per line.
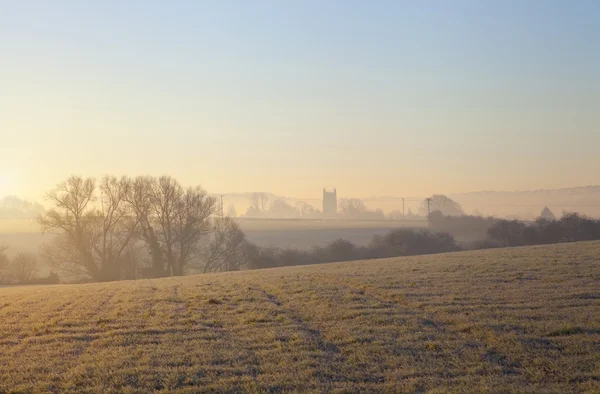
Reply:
x=329, y=203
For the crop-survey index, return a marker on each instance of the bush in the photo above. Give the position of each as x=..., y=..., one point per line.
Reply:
x=465, y=225
x=404, y=242
x=51, y=279
x=572, y=227
x=400, y=242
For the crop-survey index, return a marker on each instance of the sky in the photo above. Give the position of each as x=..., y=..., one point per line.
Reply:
x=374, y=98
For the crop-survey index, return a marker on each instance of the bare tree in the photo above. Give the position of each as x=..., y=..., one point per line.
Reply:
x=227, y=249
x=132, y=260
x=305, y=209
x=231, y=212
x=89, y=240
x=192, y=225
x=173, y=221
x=3, y=257
x=281, y=209
x=71, y=222
x=352, y=207
x=24, y=267
x=61, y=255
x=116, y=225
x=4, y=263
x=260, y=201
x=141, y=199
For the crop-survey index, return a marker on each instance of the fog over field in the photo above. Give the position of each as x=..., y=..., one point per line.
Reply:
x=299, y=196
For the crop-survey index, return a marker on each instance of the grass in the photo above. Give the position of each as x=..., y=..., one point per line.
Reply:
x=505, y=320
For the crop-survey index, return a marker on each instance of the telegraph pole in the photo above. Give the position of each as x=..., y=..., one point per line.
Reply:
x=222, y=209
x=402, y=210
x=428, y=212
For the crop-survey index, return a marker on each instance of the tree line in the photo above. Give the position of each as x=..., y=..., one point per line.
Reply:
x=22, y=269
x=348, y=208
x=400, y=242
x=571, y=227
x=127, y=228
x=149, y=227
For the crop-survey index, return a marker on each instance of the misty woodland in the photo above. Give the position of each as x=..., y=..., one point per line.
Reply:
x=150, y=227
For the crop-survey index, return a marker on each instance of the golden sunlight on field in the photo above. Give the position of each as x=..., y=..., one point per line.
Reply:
x=520, y=320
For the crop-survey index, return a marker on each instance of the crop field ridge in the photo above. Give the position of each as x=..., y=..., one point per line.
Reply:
x=503, y=320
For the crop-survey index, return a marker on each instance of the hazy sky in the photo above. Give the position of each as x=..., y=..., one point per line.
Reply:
x=374, y=97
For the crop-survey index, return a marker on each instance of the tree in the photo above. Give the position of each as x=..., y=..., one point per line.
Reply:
x=262, y=257
x=4, y=264
x=341, y=250
x=352, y=207
x=116, y=227
x=89, y=240
x=547, y=214
x=442, y=203
x=356, y=209
x=281, y=209
x=3, y=258
x=508, y=232
x=306, y=210
x=24, y=267
x=406, y=242
x=231, y=212
x=174, y=221
x=227, y=249
x=260, y=201
x=140, y=199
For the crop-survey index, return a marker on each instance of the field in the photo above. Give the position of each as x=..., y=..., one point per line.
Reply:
x=506, y=320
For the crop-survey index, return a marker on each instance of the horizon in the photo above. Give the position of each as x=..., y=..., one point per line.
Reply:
x=364, y=197
x=520, y=204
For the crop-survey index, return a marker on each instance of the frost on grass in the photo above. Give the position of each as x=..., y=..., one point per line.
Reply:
x=523, y=320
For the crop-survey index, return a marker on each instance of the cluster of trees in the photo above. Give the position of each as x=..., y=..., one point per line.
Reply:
x=349, y=208
x=22, y=269
x=354, y=208
x=406, y=242
x=127, y=228
x=12, y=207
x=261, y=207
x=471, y=226
x=401, y=242
x=441, y=203
x=571, y=227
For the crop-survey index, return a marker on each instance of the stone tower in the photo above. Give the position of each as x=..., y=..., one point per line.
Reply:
x=329, y=202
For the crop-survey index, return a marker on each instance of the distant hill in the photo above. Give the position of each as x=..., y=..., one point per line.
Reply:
x=12, y=207
x=527, y=204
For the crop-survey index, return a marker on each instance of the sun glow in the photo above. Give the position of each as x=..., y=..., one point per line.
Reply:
x=6, y=184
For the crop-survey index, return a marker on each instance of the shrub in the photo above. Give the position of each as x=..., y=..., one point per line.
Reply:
x=572, y=227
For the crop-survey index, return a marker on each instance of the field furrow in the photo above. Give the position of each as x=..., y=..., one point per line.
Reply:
x=515, y=320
